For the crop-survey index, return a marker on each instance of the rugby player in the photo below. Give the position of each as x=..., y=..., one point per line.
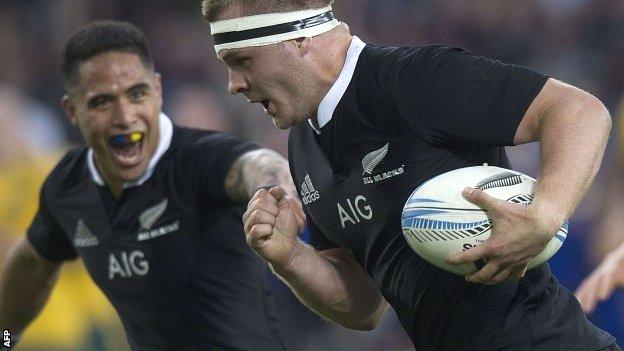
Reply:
x=368, y=124
x=153, y=210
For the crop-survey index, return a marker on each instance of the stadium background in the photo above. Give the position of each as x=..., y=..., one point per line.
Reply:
x=578, y=41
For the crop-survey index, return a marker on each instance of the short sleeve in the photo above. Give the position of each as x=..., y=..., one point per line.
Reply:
x=210, y=158
x=47, y=236
x=448, y=95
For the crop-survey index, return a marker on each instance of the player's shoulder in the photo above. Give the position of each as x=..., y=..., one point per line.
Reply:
x=389, y=57
x=71, y=171
x=185, y=139
x=214, y=148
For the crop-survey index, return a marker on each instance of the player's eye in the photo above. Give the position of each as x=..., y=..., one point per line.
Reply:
x=243, y=61
x=99, y=102
x=138, y=94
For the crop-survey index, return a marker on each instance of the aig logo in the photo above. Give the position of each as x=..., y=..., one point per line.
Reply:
x=355, y=211
x=127, y=265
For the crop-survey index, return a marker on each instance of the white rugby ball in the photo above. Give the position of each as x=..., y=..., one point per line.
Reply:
x=437, y=221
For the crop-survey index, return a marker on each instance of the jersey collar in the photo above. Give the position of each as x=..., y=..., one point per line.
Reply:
x=332, y=98
x=165, y=128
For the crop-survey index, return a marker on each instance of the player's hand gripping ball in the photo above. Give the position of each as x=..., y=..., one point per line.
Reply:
x=438, y=222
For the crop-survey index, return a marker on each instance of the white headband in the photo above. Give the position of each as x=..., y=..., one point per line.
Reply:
x=271, y=28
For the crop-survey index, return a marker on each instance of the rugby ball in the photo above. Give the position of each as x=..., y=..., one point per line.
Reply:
x=437, y=221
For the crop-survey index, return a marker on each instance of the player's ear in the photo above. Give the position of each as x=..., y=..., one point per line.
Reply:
x=158, y=82
x=158, y=85
x=303, y=45
x=70, y=109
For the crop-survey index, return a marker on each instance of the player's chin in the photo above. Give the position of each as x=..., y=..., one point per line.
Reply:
x=281, y=122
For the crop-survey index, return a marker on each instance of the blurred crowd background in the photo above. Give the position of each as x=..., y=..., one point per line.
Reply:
x=577, y=41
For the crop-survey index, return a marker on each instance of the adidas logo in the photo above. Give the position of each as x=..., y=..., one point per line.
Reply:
x=83, y=236
x=308, y=193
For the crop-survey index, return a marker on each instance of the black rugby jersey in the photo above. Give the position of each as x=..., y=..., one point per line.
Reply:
x=170, y=254
x=395, y=118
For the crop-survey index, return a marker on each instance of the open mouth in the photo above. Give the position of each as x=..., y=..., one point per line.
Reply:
x=127, y=148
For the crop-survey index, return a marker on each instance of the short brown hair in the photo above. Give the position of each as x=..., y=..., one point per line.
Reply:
x=212, y=8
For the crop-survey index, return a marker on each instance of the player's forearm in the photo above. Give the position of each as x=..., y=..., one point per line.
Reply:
x=25, y=286
x=334, y=288
x=573, y=135
x=258, y=169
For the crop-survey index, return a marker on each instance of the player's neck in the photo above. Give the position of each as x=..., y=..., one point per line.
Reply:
x=331, y=63
x=115, y=190
x=114, y=187
x=335, y=57
x=114, y=184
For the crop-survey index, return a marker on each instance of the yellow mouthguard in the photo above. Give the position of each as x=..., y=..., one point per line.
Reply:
x=134, y=137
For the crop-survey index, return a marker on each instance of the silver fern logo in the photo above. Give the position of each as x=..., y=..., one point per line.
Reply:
x=372, y=159
x=152, y=215
x=149, y=217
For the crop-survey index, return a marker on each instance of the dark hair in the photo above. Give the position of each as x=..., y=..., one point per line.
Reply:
x=212, y=8
x=101, y=37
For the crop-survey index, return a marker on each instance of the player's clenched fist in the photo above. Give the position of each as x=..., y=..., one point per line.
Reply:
x=271, y=226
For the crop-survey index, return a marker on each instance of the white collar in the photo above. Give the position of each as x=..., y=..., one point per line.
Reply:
x=332, y=98
x=165, y=128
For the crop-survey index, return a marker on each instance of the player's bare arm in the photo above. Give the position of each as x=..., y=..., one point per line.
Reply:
x=342, y=291
x=257, y=169
x=25, y=286
x=262, y=168
x=572, y=127
x=329, y=282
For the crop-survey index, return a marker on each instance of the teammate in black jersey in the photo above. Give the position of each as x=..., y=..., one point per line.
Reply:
x=417, y=112
x=153, y=210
